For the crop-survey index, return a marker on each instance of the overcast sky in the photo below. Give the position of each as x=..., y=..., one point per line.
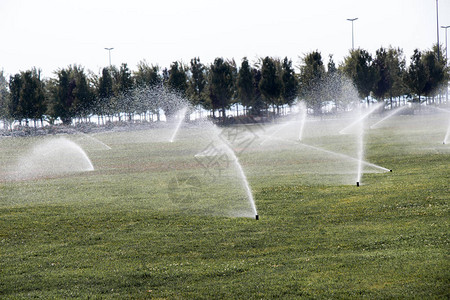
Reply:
x=52, y=34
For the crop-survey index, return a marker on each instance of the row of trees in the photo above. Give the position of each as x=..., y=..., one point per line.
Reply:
x=269, y=83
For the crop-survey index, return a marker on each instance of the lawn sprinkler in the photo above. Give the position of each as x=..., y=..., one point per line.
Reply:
x=357, y=183
x=256, y=217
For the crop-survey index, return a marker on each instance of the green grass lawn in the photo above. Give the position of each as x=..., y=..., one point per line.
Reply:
x=118, y=232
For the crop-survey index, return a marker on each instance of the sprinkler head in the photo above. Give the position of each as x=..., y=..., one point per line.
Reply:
x=357, y=183
x=256, y=217
x=390, y=170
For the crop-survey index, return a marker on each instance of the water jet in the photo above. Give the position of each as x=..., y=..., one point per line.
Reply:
x=361, y=118
x=303, y=115
x=447, y=134
x=220, y=155
x=389, y=115
x=97, y=141
x=54, y=157
x=242, y=176
x=180, y=115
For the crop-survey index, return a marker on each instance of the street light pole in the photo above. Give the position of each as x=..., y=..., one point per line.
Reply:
x=351, y=20
x=446, y=57
x=437, y=45
x=109, y=50
x=437, y=28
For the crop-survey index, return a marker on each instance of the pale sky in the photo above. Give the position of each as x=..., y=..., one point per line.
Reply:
x=52, y=34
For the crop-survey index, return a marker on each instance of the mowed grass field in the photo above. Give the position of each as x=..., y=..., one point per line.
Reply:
x=154, y=221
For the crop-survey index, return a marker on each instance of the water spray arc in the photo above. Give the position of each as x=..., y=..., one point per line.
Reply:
x=53, y=157
x=361, y=118
x=242, y=175
x=244, y=181
x=389, y=115
x=303, y=115
x=344, y=156
x=180, y=115
x=360, y=151
x=97, y=141
x=269, y=137
x=359, y=135
x=447, y=134
x=299, y=123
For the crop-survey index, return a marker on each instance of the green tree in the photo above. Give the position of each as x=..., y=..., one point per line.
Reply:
x=177, y=81
x=270, y=84
x=84, y=94
x=234, y=74
x=197, y=83
x=29, y=96
x=289, y=83
x=63, y=99
x=105, y=88
x=221, y=86
x=389, y=66
x=15, y=86
x=437, y=73
x=383, y=80
x=245, y=84
x=147, y=79
x=122, y=83
x=397, y=68
x=72, y=95
x=105, y=92
x=358, y=66
x=4, y=99
x=125, y=103
x=147, y=76
x=258, y=103
x=123, y=80
x=336, y=87
x=312, y=73
x=331, y=66
x=416, y=75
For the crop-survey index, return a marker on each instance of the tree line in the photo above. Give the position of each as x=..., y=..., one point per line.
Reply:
x=268, y=84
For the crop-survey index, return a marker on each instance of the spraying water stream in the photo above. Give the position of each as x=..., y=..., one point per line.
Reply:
x=390, y=114
x=361, y=117
x=180, y=115
x=242, y=175
x=303, y=112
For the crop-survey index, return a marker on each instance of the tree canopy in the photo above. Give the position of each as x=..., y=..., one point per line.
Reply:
x=261, y=87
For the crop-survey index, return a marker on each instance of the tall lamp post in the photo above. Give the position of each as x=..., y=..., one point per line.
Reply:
x=437, y=44
x=351, y=20
x=446, y=56
x=437, y=27
x=109, y=50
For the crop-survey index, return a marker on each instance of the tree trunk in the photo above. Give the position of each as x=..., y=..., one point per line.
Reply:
x=223, y=114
